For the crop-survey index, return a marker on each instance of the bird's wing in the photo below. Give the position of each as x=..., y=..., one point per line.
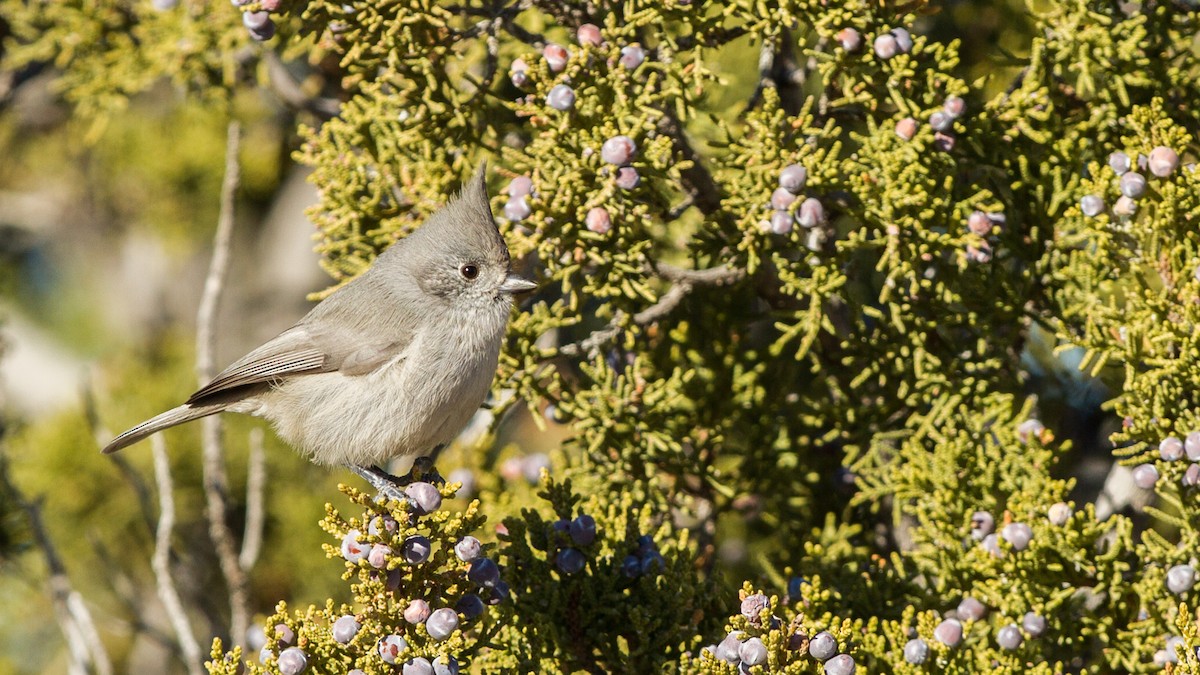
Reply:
x=301, y=350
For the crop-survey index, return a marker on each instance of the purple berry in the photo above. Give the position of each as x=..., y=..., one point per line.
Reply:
x=292, y=661
x=618, y=150
x=445, y=665
x=468, y=548
x=842, y=664
x=949, y=632
x=1119, y=162
x=940, y=121
x=1133, y=185
x=378, y=557
x=391, y=647
x=781, y=222
x=754, y=605
x=1018, y=535
x=1034, y=624
x=811, y=213
x=1091, y=205
x=982, y=524
x=417, y=611
x=416, y=549
x=1009, y=636
x=850, y=39
x=352, y=549
x=1181, y=578
x=627, y=178
x=729, y=649
x=823, y=646
x=632, y=56
x=1170, y=449
x=266, y=32
x=441, y=623
x=561, y=97
x=1191, y=477
x=345, y=628
x=1191, y=445
x=556, y=57
x=284, y=635
x=418, y=665
x=903, y=40
x=906, y=128
x=589, y=35
x=598, y=220
x=793, y=177
x=470, y=606
x=943, y=141
x=916, y=651
x=517, y=209
x=1163, y=161
x=781, y=199
x=483, y=572
x=978, y=223
x=971, y=609
x=498, y=593
x=954, y=106
x=424, y=497
x=1145, y=476
x=570, y=561
x=886, y=47
x=1059, y=513
x=583, y=530
x=753, y=652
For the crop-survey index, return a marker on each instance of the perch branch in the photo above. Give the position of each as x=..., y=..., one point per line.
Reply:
x=256, y=482
x=161, y=561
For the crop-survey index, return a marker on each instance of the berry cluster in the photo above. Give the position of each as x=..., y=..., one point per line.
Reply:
x=645, y=559
x=1132, y=185
x=1171, y=449
x=787, y=209
x=566, y=538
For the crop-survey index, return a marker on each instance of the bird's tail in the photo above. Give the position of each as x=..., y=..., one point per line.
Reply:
x=179, y=415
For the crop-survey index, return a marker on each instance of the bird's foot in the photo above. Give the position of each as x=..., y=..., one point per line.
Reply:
x=423, y=469
x=387, y=485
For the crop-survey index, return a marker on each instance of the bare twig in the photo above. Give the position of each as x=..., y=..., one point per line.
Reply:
x=256, y=481
x=102, y=437
x=161, y=561
x=683, y=281
x=75, y=620
x=215, y=480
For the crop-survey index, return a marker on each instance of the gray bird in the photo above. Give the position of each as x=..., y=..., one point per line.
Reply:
x=391, y=365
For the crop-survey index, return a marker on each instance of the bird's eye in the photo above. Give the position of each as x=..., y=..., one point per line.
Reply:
x=469, y=271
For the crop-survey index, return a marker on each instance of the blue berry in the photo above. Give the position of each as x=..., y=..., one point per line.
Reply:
x=1162, y=161
x=255, y=20
x=391, y=647
x=517, y=209
x=442, y=623
x=630, y=566
x=418, y=665
x=1059, y=513
x=589, y=35
x=1091, y=205
x=483, y=572
x=583, y=530
x=1133, y=185
x=1018, y=535
x=468, y=548
x=1119, y=162
x=916, y=651
x=470, y=606
x=570, y=561
x=417, y=611
x=781, y=199
x=754, y=605
x=518, y=73
x=949, y=632
x=793, y=178
x=850, y=39
x=598, y=220
x=823, y=646
x=266, y=32
x=556, y=57
x=424, y=497
x=811, y=213
x=627, y=178
x=1009, y=636
x=1181, y=578
x=1145, y=476
x=352, y=549
x=729, y=649
x=416, y=549
x=651, y=562
x=1034, y=624
x=292, y=661
x=498, y=593
x=1170, y=449
x=345, y=628
x=753, y=652
x=632, y=56
x=842, y=664
x=971, y=609
x=561, y=97
x=940, y=121
x=886, y=46
x=619, y=150
x=445, y=665
x=378, y=556
x=645, y=544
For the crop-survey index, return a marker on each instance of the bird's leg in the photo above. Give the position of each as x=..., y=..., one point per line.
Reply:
x=423, y=468
x=391, y=487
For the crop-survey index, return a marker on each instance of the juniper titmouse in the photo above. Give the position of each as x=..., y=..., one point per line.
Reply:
x=391, y=365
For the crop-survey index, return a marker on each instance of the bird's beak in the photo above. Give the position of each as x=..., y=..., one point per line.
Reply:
x=514, y=284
